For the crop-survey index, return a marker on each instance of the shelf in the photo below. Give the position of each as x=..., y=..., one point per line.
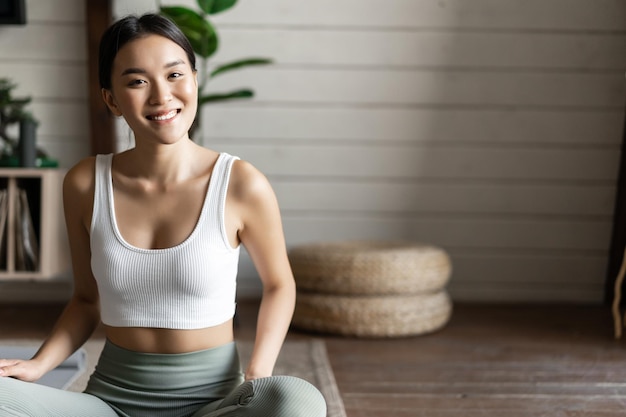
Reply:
x=39, y=190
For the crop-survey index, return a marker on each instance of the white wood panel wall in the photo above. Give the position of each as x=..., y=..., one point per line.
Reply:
x=489, y=127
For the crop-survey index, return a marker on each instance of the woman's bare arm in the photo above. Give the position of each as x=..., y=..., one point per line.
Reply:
x=261, y=232
x=81, y=315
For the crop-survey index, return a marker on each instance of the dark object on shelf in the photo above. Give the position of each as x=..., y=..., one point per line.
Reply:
x=28, y=143
x=12, y=12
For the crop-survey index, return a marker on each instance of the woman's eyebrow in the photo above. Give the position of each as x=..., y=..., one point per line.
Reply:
x=135, y=70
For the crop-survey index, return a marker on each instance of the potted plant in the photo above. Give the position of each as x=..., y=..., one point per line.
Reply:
x=202, y=35
x=20, y=151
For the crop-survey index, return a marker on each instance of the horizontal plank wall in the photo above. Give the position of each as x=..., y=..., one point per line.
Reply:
x=491, y=128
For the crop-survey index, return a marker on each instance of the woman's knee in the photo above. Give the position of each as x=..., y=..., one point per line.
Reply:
x=289, y=396
x=276, y=396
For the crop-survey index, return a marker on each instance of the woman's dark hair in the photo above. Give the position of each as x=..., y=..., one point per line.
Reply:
x=130, y=28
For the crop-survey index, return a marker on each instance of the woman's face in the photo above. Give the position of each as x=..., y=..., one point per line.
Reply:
x=154, y=88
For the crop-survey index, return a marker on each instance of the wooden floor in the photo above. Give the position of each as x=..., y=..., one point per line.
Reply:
x=489, y=360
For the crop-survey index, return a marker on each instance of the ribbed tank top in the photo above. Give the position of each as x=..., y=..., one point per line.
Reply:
x=188, y=286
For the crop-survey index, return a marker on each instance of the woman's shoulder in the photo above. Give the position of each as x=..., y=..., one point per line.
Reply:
x=248, y=182
x=80, y=178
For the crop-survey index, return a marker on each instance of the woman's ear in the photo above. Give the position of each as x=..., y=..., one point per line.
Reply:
x=108, y=98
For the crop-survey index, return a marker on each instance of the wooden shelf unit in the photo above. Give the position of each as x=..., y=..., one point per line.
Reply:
x=45, y=199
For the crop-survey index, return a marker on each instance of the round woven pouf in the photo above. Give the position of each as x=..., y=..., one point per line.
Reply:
x=373, y=316
x=370, y=267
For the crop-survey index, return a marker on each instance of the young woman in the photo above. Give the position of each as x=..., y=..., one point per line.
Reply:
x=155, y=233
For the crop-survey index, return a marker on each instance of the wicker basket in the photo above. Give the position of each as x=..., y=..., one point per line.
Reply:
x=373, y=316
x=370, y=268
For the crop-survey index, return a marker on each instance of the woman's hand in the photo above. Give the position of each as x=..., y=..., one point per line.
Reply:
x=252, y=374
x=25, y=370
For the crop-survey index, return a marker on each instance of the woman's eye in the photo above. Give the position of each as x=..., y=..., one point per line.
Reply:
x=176, y=75
x=136, y=83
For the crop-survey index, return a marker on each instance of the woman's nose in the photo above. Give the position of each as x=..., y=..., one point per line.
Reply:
x=160, y=93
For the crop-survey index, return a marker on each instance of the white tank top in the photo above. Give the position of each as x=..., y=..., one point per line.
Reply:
x=189, y=286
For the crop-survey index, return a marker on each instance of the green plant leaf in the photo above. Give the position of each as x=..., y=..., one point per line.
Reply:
x=216, y=6
x=240, y=63
x=200, y=32
x=210, y=98
x=183, y=16
x=205, y=5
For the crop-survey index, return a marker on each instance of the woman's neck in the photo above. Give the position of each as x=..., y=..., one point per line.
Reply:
x=162, y=164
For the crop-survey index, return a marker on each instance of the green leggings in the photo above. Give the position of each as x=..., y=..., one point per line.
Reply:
x=206, y=383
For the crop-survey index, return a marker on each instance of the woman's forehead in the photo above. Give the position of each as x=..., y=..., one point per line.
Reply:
x=149, y=51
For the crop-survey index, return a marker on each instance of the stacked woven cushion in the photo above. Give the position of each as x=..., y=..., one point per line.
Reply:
x=371, y=288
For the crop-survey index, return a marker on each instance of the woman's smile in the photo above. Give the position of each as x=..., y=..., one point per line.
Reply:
x=163, y=116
